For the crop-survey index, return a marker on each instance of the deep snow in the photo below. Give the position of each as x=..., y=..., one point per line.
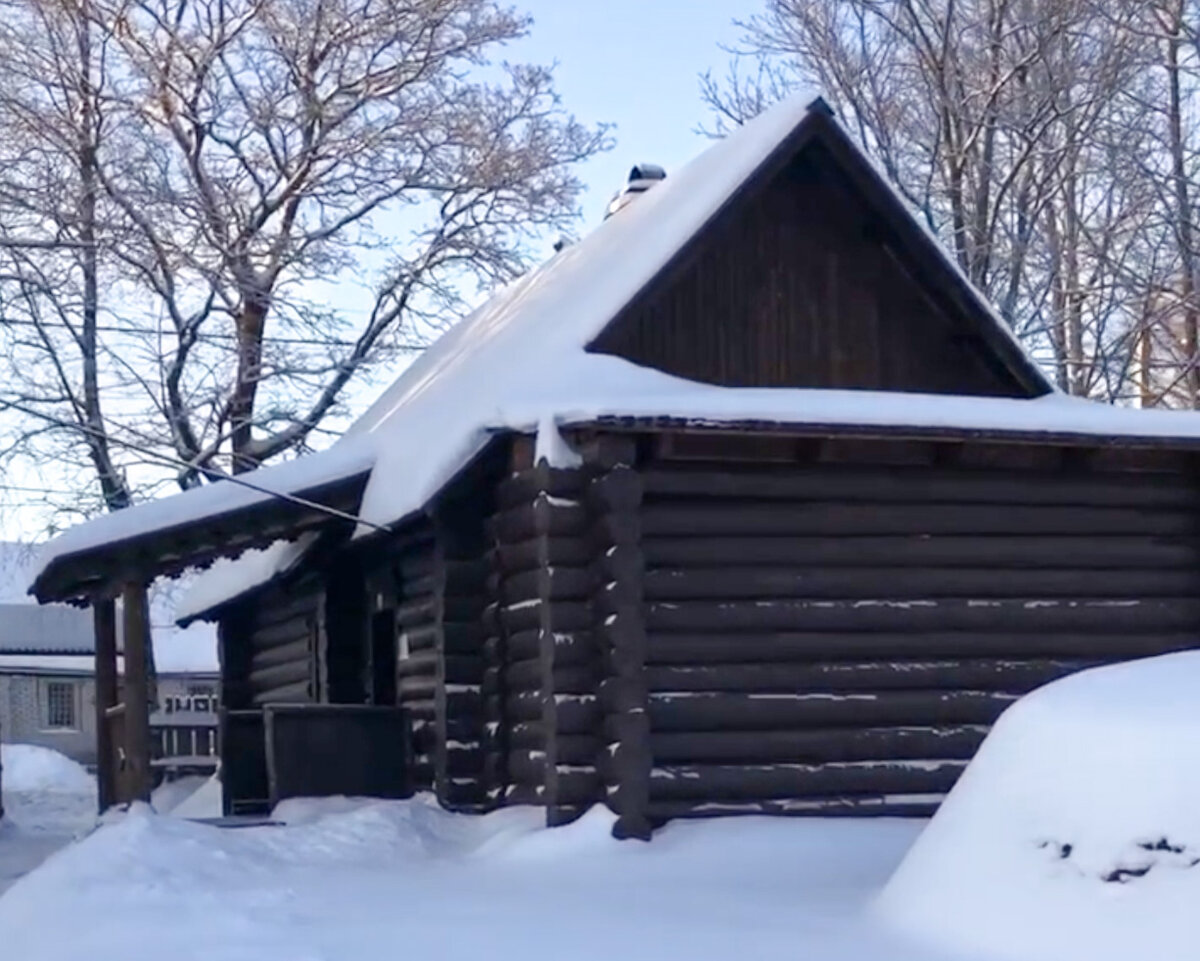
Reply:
x=1075, y=832
x=49, y=800
x=349, y=881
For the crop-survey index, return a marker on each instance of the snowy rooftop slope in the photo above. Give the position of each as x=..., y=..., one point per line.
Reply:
x=343, y=460
x=53, y=629
x=519, y=361
x=1075, y=832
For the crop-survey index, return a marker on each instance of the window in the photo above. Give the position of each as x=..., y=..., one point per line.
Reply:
x=60, y=705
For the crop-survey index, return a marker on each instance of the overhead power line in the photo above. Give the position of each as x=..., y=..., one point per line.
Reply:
x=202, y=335
x=212, y=475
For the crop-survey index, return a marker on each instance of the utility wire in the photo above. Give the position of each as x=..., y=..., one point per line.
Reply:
x=203, y=335
x=212, y=475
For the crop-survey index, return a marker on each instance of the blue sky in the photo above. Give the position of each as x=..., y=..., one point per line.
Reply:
x=635, y=64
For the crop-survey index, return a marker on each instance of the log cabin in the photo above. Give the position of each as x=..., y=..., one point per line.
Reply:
x=747, y=502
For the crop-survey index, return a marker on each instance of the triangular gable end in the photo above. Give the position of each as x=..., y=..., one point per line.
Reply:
x=815, y=275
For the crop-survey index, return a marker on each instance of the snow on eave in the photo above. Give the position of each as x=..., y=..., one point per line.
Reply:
x=345, y=460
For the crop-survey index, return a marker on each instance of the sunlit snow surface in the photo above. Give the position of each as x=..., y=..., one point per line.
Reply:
x=364, y=880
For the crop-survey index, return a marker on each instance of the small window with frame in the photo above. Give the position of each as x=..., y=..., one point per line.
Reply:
x=60, y=706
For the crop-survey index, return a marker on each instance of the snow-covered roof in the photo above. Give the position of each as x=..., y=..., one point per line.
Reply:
x=520, y=363
x=53, y=629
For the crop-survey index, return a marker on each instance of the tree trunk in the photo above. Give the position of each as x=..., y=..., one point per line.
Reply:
x=250, y=323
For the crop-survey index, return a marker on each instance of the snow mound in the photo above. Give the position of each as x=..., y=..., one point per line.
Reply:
x=28, y=768
x=1075, y=832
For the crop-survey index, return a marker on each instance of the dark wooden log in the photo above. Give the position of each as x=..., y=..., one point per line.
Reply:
x=782, y=647
x=533, y=553
x=525, y=486
x=297, y=650
x=422, y=710
x=578, y=678
x=417, y=611
x=848, y=520
x=533, y=615
x=419, y=662
x=275, y=608
x=104, y=621
x=707, y=583
x=1005, y=675
x=570, y=648
x=137, y=692
x=896, y=806
x=951, y=742
x=540, y=518
x=877, y=483
x=263, y=680
x=754, y=782
x=548, y=583
x=717, y=712
x=945, y=614
x=1090, y=551
x=282, y=634
x=299, y=692
x=416, y=687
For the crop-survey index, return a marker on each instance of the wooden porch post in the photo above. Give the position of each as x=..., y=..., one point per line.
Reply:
x=104, y=619
x=137, y=692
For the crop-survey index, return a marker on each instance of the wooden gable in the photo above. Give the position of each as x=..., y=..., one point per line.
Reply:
x=814, y=275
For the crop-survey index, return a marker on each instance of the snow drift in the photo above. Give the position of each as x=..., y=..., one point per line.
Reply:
x=28, y=768
x=346, y=879
x=1075, y=832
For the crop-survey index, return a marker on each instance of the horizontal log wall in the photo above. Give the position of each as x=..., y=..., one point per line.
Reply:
x=838, y=639
x=541, y=672
x=460, y=592
x=280, y=632
x=417, y=652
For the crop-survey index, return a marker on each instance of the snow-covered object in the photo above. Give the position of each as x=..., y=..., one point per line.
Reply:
x=194, y=797
x=353, y=880
x=519, y=362
x=29, y=768
x=1075, y=832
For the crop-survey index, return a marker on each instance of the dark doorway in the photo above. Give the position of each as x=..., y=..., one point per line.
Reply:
x=383, y=658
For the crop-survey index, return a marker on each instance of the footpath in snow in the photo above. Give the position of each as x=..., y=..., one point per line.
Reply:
x=346, y=881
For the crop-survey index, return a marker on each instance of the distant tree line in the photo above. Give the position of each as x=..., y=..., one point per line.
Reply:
x=1053, y=145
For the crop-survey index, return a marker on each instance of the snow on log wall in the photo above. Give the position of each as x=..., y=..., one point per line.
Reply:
x=839, y=638
x=542, y=670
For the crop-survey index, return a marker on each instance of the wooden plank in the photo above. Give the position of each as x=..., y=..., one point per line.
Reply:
x=707, y=583
x=853, y=520
x=105, y=626
x=297, y=650
x=943, y=614
x=1005, y=675
x=767, y=712
x=735, y=782
x=1074, y=552
x=266, y=679
x=299, y=692
x=815, y=745
x=897, y=484
x=548, y=583
x=542, y=518
x=781, y=647
x=137, y=692
x=535, y=552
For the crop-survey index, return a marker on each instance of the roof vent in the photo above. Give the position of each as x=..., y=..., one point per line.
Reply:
x=641, y=178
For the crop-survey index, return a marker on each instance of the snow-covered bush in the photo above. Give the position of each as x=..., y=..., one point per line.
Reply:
x=1075, y=832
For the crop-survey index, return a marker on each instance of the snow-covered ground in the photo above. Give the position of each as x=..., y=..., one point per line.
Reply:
x=49, y=801
x=345, y=881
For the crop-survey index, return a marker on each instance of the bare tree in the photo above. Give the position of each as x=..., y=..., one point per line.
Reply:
x=1007, y=125
x=219, y=213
